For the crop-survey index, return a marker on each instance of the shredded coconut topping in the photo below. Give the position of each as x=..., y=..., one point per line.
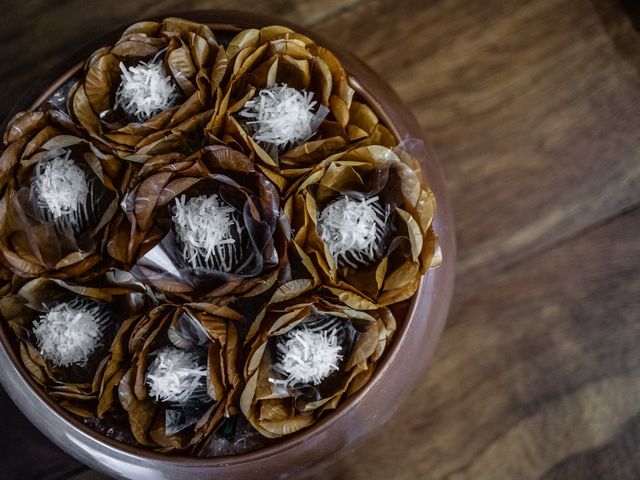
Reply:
x=309, y=355
x=176, y=376
x=70, y=332
x=145, y=90
x=62, y=190
x=353, y=229
x=205, y=227
x=281, y=116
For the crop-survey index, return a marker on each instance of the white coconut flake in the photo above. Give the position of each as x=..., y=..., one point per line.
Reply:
x=205, y=227
x=145, y=90
x=62, y=190
x=175, y=375
x=281, y=116
x=308, y=356
x=70, y=332
x=353, y=229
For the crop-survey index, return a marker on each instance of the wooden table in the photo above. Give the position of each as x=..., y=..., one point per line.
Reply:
x=534, y=110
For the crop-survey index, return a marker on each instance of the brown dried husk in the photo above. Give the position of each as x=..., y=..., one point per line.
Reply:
x=364, y=128
x=125, y=374
x=32, y=247
x=275, y=413
x=148, y=221
x=274, y=55
x=413, y=247
x=299, y=275
x=26, y=305
x=193, y=59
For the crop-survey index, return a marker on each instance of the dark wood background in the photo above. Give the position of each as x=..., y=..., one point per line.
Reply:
x=534, y=110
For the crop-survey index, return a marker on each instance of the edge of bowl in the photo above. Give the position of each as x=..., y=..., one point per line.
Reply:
x=29, y=396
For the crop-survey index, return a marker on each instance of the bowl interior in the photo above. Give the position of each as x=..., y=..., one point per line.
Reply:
x=405, y=312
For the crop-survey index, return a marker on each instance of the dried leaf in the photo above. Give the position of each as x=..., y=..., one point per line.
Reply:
x=76, y=387
x=268, y=57
x=149, y=234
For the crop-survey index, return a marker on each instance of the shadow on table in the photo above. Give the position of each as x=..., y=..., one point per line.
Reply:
x=26, y=454
x=624, y=40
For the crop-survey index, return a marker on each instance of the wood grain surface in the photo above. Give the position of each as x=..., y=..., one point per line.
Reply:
x=534, y=110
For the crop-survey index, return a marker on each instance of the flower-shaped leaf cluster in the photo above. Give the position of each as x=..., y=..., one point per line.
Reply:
x=151, y=237
x=195, y=346
x=51, y=224
x=266, y=60
x=64, y=333
x=274, y=404
x=152, y=90
x=374, y=263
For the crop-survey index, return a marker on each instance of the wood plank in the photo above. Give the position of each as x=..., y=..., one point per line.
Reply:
x=619, y=458
x=531, y=106
x=538, y=367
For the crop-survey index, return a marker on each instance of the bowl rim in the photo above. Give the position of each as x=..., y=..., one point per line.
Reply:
x=235, y=21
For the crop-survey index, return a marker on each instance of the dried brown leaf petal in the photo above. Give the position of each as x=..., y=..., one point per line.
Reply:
x=274, y=55
x=212, y=169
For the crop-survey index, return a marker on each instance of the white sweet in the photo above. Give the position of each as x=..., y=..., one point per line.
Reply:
x=69, y=333
x=281, y=116
x=145, y=90
x=309, y=356
x=353, y=229
x=62, y=190
x=205, y=226
x=175, y=375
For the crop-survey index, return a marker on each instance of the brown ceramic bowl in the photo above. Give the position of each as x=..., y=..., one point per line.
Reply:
x=313, y=448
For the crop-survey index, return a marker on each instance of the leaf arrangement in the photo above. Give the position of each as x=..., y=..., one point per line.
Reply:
x=195, y=276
